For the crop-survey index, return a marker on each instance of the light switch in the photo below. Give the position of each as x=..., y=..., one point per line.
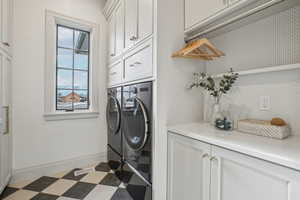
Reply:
x=265, y=102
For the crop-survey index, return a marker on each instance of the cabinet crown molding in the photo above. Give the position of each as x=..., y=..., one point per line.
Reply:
x=109, y=7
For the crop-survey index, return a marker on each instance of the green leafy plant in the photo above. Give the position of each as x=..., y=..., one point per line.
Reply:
x=215, y=89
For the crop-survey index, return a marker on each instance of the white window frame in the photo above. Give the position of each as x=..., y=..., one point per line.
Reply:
x=52, y=20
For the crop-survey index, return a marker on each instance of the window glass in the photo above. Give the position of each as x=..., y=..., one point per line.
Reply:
x=64, y=100
x=65, y=37
x=64, y=58
x=81, y=60
x=64, y=79
x=72, y=69
x=80, y=80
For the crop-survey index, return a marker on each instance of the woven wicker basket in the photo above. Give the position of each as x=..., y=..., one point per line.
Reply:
x=263, y=128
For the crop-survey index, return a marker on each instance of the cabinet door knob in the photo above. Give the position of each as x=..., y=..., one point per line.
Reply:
x=213, y=159
x=112, y=55
x=205, y=155
x=6, y=111
x=133, y=38
x=6, y=44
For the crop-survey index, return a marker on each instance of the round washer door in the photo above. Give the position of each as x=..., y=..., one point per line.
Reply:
x=113, y=115
x=135, y=124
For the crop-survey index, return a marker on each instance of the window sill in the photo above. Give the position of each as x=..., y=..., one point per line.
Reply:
x=58, y=116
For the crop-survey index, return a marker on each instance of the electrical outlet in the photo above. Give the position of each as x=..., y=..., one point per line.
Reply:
x=264, y=103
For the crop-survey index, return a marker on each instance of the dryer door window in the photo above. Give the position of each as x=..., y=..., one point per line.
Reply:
x=113, y=115
x=135, y=123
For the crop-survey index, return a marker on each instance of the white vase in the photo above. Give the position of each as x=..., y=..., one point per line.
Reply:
x=216, y=112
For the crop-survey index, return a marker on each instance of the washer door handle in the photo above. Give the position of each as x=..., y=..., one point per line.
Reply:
x=118, y=111
x=146, y=121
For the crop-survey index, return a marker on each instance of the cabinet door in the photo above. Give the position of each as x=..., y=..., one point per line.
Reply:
x=131, y=17
x=145, y=18
x=112, y=36
x=119, y=17
x=198, y=10
x=188, y=168
x=115, y=74
x=235, y=176
x=5, y=134
x=231, y=2
x=5, y=22
x=139, y=64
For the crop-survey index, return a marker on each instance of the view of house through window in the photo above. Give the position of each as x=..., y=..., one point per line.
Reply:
x=72, y=69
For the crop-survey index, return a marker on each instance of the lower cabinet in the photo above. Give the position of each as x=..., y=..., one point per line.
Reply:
x=201, y=171
x=5, y=125
x=188, y=168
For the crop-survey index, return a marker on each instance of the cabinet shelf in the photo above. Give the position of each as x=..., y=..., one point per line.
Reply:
x=264, y=70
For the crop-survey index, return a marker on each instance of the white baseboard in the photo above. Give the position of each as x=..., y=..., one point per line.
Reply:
x=55, y=167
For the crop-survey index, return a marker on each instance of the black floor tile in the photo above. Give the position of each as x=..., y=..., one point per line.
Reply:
x=8, y=191
x=71, y=176
x=104, y=167
x=111, y=180
x=114, y=165
x=121, y=194
x=124, y=176
x=137, y=192
x=41, y=184
x=42, y=196
x=79, y=190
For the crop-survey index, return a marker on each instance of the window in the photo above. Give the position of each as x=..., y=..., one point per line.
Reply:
x=72, y=69
x=72, y=66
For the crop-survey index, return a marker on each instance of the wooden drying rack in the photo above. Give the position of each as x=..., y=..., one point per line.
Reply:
x=199, y=49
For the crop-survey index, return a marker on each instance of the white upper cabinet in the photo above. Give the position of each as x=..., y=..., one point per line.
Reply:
x=138, y=21
x=203, y=17
x=198, y=10
x=131, y=21
x=130, y=29
x=115, y=73
x=116, y=31
x=145, y=19
x=139, y=63
x=119, y=20
x=5, y=24
x=233, y=1
x=112, y=36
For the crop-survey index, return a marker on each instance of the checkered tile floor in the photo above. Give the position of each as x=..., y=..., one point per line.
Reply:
x=99, y=185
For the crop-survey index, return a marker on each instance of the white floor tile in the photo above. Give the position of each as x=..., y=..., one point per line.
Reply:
x=94, y=177
x=122, y=185
x=66, y=198
x=101, y=192
x=21, y=195
x=59, y=187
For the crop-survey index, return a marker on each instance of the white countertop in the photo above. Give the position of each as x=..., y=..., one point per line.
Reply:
x=284, y=152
